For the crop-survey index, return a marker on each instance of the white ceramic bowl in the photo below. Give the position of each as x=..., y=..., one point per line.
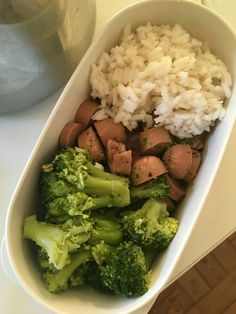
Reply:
x=201, y=23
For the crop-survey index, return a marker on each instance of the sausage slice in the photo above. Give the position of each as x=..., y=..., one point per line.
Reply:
x=154, y=141
x=177, y=192
x=114, y=148
x=147, y=168
x=194, y=167
x=70, y=133
x=178, y=160
x=89, y=141
x=108, y=129
x=122, y=163
x=85, y=112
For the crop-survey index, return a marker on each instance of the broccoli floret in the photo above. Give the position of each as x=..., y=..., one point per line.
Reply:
x=57, y=240
x=150, y=225
x=51, y=186
x=58, y=282
x=70, y=205
x=122, y=269
x=72, y=178
x=157, y=188
x=77, y=204
x=95, y=229
x=79, y=231
x=106, y=229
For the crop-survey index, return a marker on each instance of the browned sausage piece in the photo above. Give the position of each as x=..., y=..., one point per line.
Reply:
x=89, y=140
x=85, y=112
x=122, y=163
x=194, y=167
x=69, y=134
x=147, y=168
x=177, y=192
x=154, y=140
x=108, y=129
x=114, y=148
x=178, y=160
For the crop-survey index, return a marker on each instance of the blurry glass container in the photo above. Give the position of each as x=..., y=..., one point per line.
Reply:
x=41, y=43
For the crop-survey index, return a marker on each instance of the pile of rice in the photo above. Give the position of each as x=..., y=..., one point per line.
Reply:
x=160, y=75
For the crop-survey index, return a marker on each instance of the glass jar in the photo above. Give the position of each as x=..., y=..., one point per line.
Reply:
x=41, y=43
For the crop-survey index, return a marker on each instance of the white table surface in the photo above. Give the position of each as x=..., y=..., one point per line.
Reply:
x=18, y=134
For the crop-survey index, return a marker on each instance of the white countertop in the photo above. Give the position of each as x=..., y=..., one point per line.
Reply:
x=18, y=134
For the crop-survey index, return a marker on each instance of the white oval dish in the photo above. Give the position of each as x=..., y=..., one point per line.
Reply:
x=202, y=23
x=225, y=8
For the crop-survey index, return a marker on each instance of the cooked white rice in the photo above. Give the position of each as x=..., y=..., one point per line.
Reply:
x=161, y=75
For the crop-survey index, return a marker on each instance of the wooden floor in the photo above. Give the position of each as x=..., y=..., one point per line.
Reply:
x=207, y=288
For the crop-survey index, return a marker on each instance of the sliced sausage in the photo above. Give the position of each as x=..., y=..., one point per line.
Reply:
x=177, y=192
x=70, y=133
x=147, y=168
x=154, y=140
x=178, y=160
x=114, y=148
x=122, y=163
x=89, y=141
x=85, y=112
x=194, y=167
x=108, y=129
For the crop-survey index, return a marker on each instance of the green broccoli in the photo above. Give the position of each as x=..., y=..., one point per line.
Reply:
x=106, y=229
x=122, y=269
x=71, y=184
x=69, y=205
x=157, y=188
x=57, y=282
x=51, y=186
x=77, y=204
x=150, y=225
x=57, y=240
x=58, y=247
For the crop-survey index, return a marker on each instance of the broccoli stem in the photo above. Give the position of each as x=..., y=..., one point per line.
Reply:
x=154, y=210
x=58, y=282
x=50, y=238
x=117, y=191
x=140, y=192
x=100, y=186
x=157, y=188
x=98, y=173
x=102, y=201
